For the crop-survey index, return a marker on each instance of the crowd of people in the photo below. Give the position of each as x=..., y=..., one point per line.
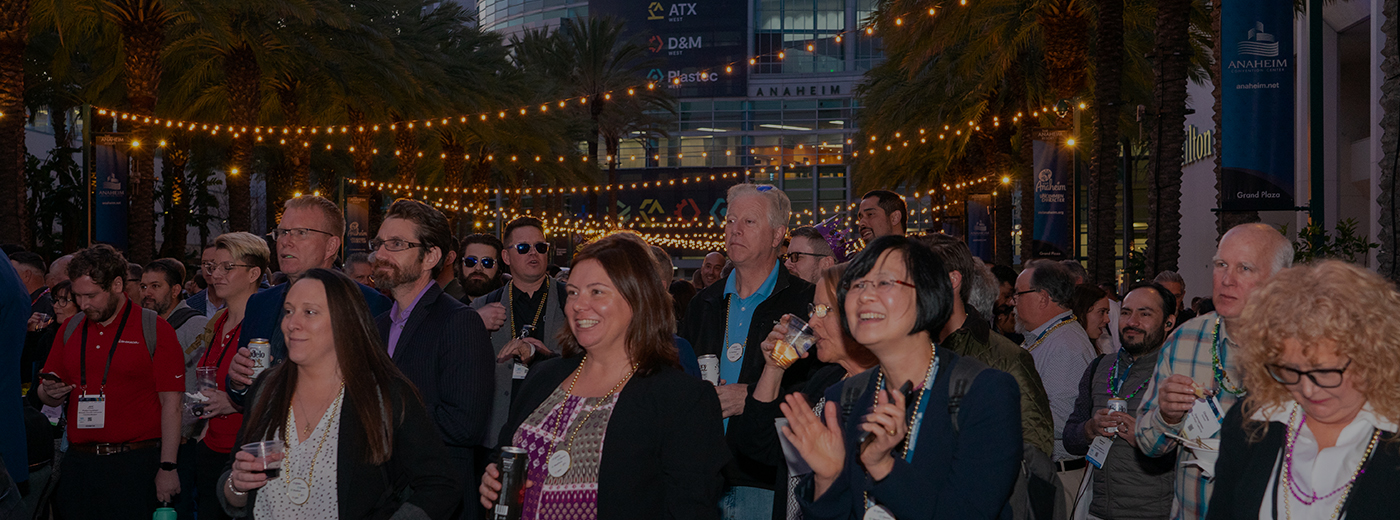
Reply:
x=276, y=379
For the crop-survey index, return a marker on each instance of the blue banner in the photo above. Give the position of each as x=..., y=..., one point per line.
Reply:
x=979, y=226
x=110, y=196
x=1257, y=100
x=356, y=225
x=1053, y=164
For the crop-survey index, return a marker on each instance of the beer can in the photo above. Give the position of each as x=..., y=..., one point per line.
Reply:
x=260, y=351
x=709, y=368
x=513, y=467
x=1117, y=405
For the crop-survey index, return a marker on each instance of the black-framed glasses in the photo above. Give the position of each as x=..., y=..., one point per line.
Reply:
x=1017, y=295
x=216, y=268
x=393, y=244
x=524, y=249
x=797, y=257
x=62, y=301
x=1322, y=377
x=818, y=310
x=471, y=261
x=297, y=233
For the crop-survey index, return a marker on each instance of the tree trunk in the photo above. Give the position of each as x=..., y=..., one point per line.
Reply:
x=14, y=36
x=614, y=147
x=1105, y=160
x=298, y=157
x=177, y=213
x=454, y=165
x=1168, y=136
x=62, y=131
x=1028, y=131
x=406, y=151
x=1389, y=254
x=244, y=80
x=361, y=144
x=143, y=40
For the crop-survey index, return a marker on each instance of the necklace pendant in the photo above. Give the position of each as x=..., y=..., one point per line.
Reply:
x=298, y=491
x=559, y=464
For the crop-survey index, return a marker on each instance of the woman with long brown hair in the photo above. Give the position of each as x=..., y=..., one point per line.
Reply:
x=614, y=429
x=346, y=416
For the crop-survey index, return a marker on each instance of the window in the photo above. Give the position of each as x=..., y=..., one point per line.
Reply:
x=804, y=32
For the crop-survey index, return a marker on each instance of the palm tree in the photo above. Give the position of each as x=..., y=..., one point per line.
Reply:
x=14, y=35
x=175, y=158
x=1172, y=54
x=1103, y=162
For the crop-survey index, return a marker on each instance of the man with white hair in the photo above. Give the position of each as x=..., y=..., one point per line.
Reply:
x=1197, y=363
x=730, y=319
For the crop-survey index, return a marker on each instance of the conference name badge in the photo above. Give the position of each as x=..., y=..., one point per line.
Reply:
x=1098, y=451
x=735, y=352
x=92, y=411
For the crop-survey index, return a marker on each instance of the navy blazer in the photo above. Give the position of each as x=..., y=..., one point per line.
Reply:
x=964, y=475
x=445, y=351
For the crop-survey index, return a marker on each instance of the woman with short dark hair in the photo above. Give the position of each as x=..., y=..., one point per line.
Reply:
x=914, y=455
x=614, y=429
x=347, y=418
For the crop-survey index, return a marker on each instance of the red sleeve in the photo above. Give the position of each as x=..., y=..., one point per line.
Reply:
x=168, y=366
x=54, y=363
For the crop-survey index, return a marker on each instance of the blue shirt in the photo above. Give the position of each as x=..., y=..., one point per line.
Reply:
x=14, y=314
x=740, y=316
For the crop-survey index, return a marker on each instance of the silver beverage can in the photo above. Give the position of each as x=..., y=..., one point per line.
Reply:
x=513, y=467
x=709, y=368
x=260, y=351
x=1117, y=405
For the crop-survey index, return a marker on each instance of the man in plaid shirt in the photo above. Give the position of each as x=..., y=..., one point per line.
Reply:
x=1198, y=355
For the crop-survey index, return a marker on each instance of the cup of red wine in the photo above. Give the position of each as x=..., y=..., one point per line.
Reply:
x=267, y=455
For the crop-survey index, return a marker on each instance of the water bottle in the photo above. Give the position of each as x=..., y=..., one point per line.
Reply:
x=165, y=512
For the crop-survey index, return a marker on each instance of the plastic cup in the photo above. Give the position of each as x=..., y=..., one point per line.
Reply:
x=797, y=342
x=206, y=377
x=261, y=451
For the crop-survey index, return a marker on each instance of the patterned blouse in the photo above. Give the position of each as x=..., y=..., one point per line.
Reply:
x=324, y=501
x=573, y=496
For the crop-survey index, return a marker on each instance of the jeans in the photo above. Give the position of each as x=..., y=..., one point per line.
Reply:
x=746, y=503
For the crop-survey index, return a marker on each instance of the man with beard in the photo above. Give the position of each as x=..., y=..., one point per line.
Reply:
x=439, y=343
x=359, y=269
x=308, y=236
x=1125, y=483
x=808, y=254
x=881, y=213
x=524, y=316
x=447, y=277
x=480, y=267
x=711, y=270
x=124, y=423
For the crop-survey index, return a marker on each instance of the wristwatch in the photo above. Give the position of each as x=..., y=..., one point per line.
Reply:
x=167, y=466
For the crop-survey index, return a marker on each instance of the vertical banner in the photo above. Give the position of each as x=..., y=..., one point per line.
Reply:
x=979, y=226
x=1053, y=163
x=1257, y=106
x=111, y=200
x=356, y=225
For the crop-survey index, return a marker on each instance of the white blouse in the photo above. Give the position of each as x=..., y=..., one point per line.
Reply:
x=1318, y=472
x=273, y=502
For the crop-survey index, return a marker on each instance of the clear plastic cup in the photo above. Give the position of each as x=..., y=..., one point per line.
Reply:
x=798, y=340
x=206, y=377
x=262, y=451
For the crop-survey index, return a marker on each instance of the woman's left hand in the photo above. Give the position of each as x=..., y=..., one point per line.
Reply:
x=887, y=427
x=218, y=403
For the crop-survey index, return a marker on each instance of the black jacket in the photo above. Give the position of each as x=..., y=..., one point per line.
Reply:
x=664, y=446
x=416, y=482
x=1243, y=471
x=704, y=329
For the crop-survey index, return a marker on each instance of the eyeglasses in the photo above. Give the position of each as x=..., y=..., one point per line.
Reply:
x=1322, y=377
x=524, y=249
x=797, y=257
x=1017, y=295
x=392, y=244
x=817, y=310
x=297, y=233
x=486, y=262
x=62, y=301
x=213, y=268
x=881, y=286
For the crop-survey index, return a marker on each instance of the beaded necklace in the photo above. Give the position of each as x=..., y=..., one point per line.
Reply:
x=915, y=419
x=1113, y=390
x=1312, y=498
x=562, y=459
x=510, y=303
x=1221, y=378
x=1046, y=334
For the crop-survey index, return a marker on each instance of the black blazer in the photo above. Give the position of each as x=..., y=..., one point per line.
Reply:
x=416, y=482
x=445, y=351
x=664, y=445
x=704, y=328
x=1243, y=471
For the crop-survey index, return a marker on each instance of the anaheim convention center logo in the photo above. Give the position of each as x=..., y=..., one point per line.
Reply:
x=1259, y=43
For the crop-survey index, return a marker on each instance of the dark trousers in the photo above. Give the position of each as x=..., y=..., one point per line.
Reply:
x=120, y=486
x=211, y=466
x=464, y=462
x=184, y=502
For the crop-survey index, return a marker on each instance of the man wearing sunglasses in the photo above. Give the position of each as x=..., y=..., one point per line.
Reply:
x=1199, y=362
x=308, y=236
x=480, y=265
x=808, y=254
x=524, y=316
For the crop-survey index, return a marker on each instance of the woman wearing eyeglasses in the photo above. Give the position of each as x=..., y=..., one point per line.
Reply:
x=835, y=346
x=878, y=451
x=1314, y=438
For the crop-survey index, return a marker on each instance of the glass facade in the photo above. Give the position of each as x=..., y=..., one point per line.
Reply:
x=513, y=16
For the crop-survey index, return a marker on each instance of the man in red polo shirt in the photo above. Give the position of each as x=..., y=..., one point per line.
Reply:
x=122, y=396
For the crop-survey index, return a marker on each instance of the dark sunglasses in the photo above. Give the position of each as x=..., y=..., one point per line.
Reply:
x=524, y=249
x=486, y=262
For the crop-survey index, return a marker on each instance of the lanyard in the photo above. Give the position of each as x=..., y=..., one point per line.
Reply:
x=35, y=299
x=82, y=351
x=1047, y=332
x=218, y=337
x=1115, y=391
